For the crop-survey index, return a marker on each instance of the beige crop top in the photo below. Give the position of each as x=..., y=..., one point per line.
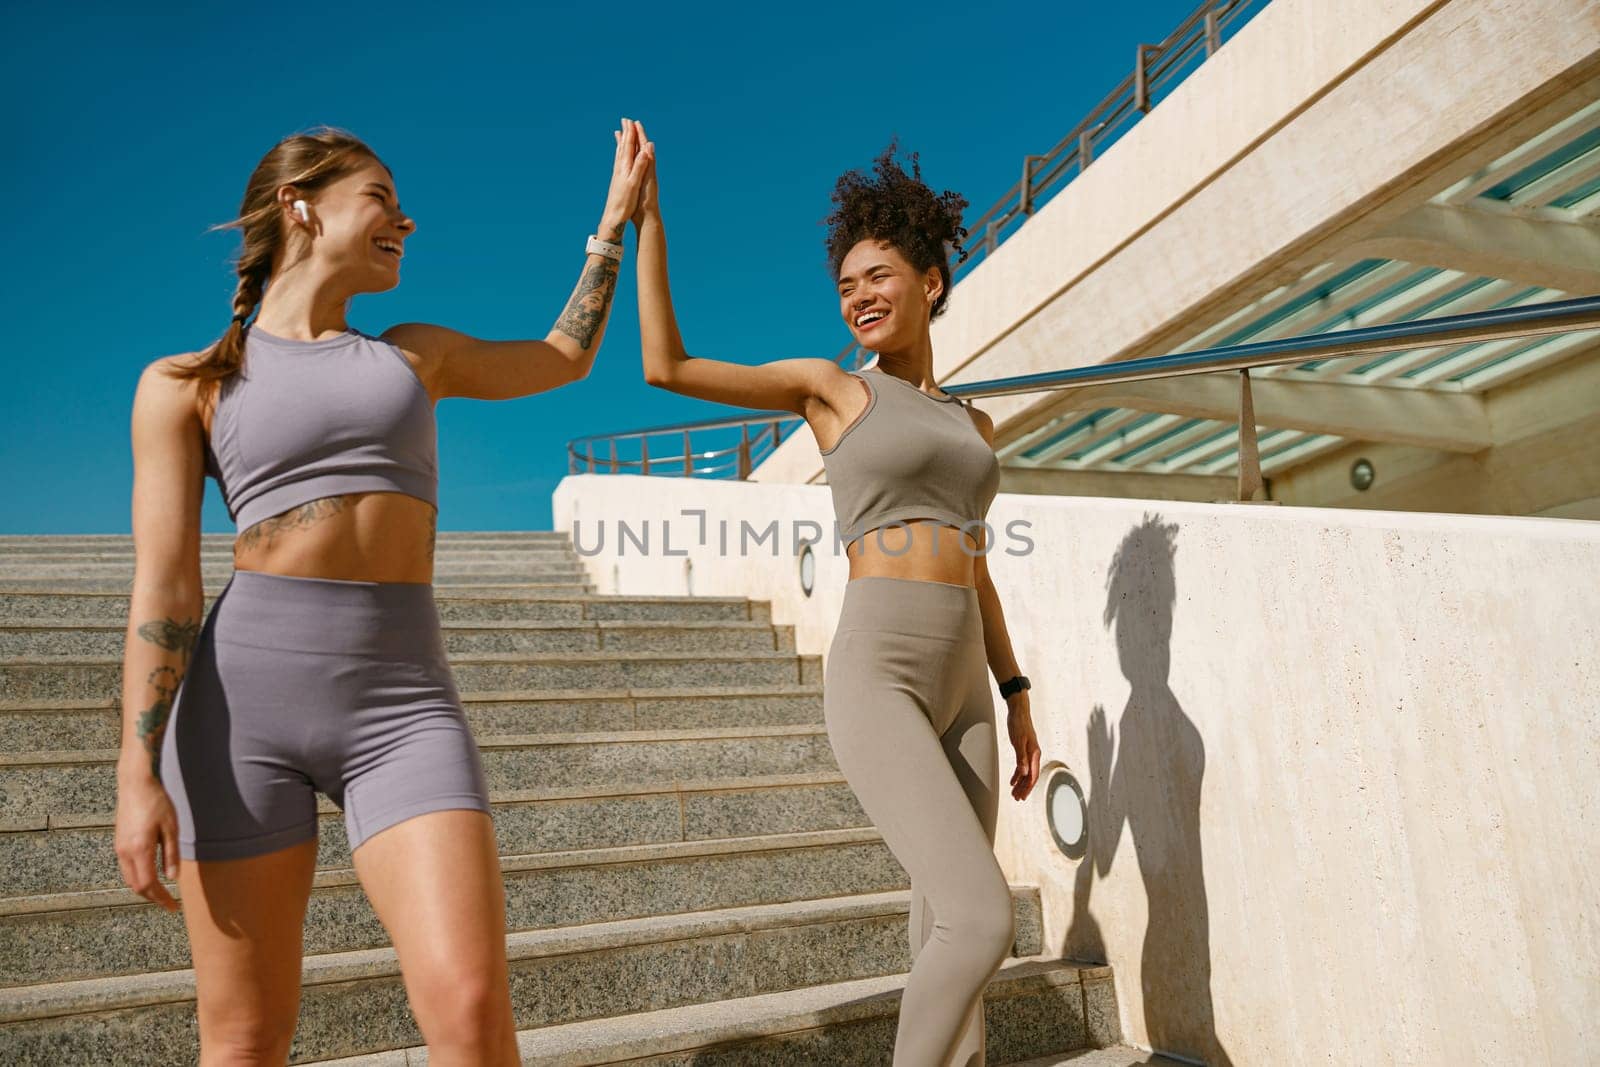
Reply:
x=909, y=455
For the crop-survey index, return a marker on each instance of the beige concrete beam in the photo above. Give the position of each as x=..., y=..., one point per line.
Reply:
x=1289, y=54
x=1316, y=127
x=1555, y=255
x=1126, y=485
x=1454, y=422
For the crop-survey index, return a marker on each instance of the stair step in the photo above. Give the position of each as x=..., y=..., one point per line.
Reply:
x=460, y=604
x=100, y=677
x=24, y=637
x=49, y=542
x=557, y=976
x=50, y=726
x=214, y=584
x=65, y=853
x=223, y=554
x=1032, y=1005
x=65, y=936
x=554, y=569
x=46, y=783
x=1116, y=1056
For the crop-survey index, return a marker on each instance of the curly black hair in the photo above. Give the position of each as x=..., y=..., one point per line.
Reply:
x=898, y=208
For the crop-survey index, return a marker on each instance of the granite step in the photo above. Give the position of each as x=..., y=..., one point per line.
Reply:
x=58, y=678
x=53, y=726
x=1115, y=1056
x=66, y=936
x=219, y=571
x=21, y=637
x=445, y=537
x=1033, y=1007
x=560, y=975
x=39, y=784
x=60, y=853
x=224, y=554
x=213, y=584
x=454, y=605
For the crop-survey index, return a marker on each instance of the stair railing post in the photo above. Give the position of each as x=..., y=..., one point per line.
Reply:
x=744, y=451
x=688, y=457
x=1249, y=449
x=644, y=455
x=1027, y=183
x=1141, y=79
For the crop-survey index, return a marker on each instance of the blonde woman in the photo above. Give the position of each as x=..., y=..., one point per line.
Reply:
x=321, y=665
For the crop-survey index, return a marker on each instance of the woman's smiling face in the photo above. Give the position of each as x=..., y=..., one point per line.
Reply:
x=360, y=228
x=884, y=300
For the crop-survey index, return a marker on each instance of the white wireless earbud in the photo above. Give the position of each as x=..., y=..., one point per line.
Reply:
x=300, y=206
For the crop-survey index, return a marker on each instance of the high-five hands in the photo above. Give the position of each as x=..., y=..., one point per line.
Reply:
x=628, y=172
x=649, y=205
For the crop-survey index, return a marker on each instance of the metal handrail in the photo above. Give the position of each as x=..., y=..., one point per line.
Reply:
x=1045, y=175
x=1530, y=320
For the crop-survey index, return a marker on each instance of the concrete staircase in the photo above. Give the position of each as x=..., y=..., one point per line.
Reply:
x=689, y=878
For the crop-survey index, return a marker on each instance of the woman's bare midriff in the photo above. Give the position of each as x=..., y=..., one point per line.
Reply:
x=357, y=537
x=924, y=550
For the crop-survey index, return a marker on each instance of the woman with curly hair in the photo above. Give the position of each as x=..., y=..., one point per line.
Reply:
x=908, y=708
x=321, y=666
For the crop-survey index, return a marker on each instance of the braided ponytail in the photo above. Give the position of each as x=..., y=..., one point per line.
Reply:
x=309, y=161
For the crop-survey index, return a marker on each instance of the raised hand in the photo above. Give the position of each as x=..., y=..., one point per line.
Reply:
x=628, y=170
x=649, y=203
x=1100, y=745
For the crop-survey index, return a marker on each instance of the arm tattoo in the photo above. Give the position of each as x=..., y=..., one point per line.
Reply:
x=172, y=636
x=433, y=529
x=299, y=518
x=588, y=306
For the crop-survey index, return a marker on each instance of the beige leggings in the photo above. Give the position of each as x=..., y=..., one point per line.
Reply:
x=910, y=716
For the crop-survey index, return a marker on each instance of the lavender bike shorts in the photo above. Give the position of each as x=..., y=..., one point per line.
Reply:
x=299, y=685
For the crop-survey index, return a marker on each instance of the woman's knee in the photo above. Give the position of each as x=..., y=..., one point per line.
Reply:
x=986, y=930
x=462, y=1007
x=995, y=932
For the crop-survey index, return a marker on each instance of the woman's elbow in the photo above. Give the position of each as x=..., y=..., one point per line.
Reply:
x=659, y=371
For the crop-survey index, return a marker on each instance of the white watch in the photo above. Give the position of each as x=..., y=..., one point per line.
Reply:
x=603, y=248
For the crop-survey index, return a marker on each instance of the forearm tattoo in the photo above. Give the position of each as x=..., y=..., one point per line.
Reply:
x=266, y=531
x=587, y=308
x=170, y=635
x=433, y=530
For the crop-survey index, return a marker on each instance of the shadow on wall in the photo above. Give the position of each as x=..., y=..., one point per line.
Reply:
x=1147, y=772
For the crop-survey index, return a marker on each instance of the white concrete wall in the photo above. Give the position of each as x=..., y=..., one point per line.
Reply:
x=1349, y=809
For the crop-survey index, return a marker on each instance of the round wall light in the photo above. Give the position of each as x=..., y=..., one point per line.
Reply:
x=1362, y=475
x=808, y=570
x=1067, y=814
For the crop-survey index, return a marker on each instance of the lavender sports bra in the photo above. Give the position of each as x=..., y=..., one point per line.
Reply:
x=909, y=455
x=310, y=419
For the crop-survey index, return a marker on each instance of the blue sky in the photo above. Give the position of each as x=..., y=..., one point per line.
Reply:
x=131, y=134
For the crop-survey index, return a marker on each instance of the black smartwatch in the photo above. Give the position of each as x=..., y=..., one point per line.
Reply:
x=1014, y=686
